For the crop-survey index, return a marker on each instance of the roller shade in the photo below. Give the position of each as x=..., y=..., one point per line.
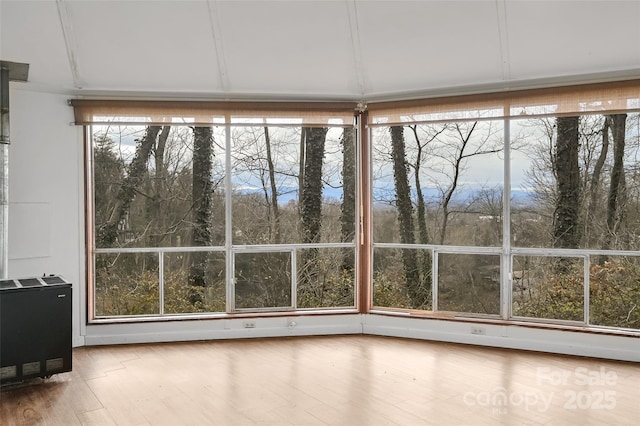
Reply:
x=557, y=101
x=308, y=114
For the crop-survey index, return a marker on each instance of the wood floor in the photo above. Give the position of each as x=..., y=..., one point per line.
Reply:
x=337, y=380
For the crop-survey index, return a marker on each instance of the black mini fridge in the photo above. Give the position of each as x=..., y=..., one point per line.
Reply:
x=35, y=328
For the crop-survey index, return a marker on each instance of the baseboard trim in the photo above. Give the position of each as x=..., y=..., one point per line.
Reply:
x=512, y=336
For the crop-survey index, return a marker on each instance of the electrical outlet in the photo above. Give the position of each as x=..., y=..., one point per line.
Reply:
x=475, y=329
x=249, y=323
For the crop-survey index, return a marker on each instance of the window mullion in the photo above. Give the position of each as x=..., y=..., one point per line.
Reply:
x=587, y=285
x=161, y=282
x=228, y=243
x=505, y=264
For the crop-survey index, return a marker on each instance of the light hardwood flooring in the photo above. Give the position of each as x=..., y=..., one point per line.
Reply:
x=337, y=380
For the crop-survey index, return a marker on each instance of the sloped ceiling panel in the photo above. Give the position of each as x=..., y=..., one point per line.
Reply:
x=313, y=49
x=288, y=47
x=145, y=46
x=30, y=32
x=563, y=38
x=421, y=45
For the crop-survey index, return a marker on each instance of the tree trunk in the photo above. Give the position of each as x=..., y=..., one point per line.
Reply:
x=416, y=291
x=107, y=235
x=403, y=190
x=617, y=192
x=158, y=191
x=594, y=185
x=566, y=232
x=423, y=231
x=303, y=138
x=348, y=213
x=312, y=184
x=202, y=196
x=275, y=220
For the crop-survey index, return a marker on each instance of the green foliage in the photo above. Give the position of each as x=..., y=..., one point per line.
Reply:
x=108, y=173
x=615, y=294
x=128, y=285
x=327, y=290
x=390, y=283
x=554, y=296
x=121, y=293
x=179, y=295
x=390, y=291
x=262, y=280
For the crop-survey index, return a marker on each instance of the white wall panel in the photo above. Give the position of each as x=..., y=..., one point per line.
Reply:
x=30, y=235
x=45, y=172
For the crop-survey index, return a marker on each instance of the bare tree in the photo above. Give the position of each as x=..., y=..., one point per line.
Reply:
x=423, y=230
x=107, y=234
x=594, y=184
x=273, y=202
x=158, y=190
x=617, y=193
x=457, y=154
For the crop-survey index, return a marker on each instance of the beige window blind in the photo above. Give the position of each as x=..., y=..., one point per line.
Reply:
x=204, y=113
x=606, y=98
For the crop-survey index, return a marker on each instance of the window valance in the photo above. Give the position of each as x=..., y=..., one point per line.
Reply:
x=205, y=113
x=607, y=98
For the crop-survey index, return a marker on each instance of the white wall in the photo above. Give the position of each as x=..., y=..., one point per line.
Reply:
x=45, y=193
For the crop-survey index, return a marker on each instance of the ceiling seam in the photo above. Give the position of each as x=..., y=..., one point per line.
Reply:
x=216, y=33
x=70, y=43
x=503, y=35
x=352, y=13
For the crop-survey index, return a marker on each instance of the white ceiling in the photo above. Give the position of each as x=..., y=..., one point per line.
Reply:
x=332, y=50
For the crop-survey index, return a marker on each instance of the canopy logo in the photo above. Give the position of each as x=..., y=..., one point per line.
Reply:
x=499, y=400
x=585, y=389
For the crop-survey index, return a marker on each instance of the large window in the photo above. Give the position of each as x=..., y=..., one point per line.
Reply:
x=574, y=191
x=221, y=211
x=437, y=184
x=518, y=206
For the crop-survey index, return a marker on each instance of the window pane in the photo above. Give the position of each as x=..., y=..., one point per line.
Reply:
x=438, y=183
x=326, y=277
x=158, y=186
x=194, y=282
x=402, y=278
x=614, y=285
x=127, y=284
x=576, y=187
x=469, y=283
x=263, y=280
x=548, y=287
x=293, y=185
